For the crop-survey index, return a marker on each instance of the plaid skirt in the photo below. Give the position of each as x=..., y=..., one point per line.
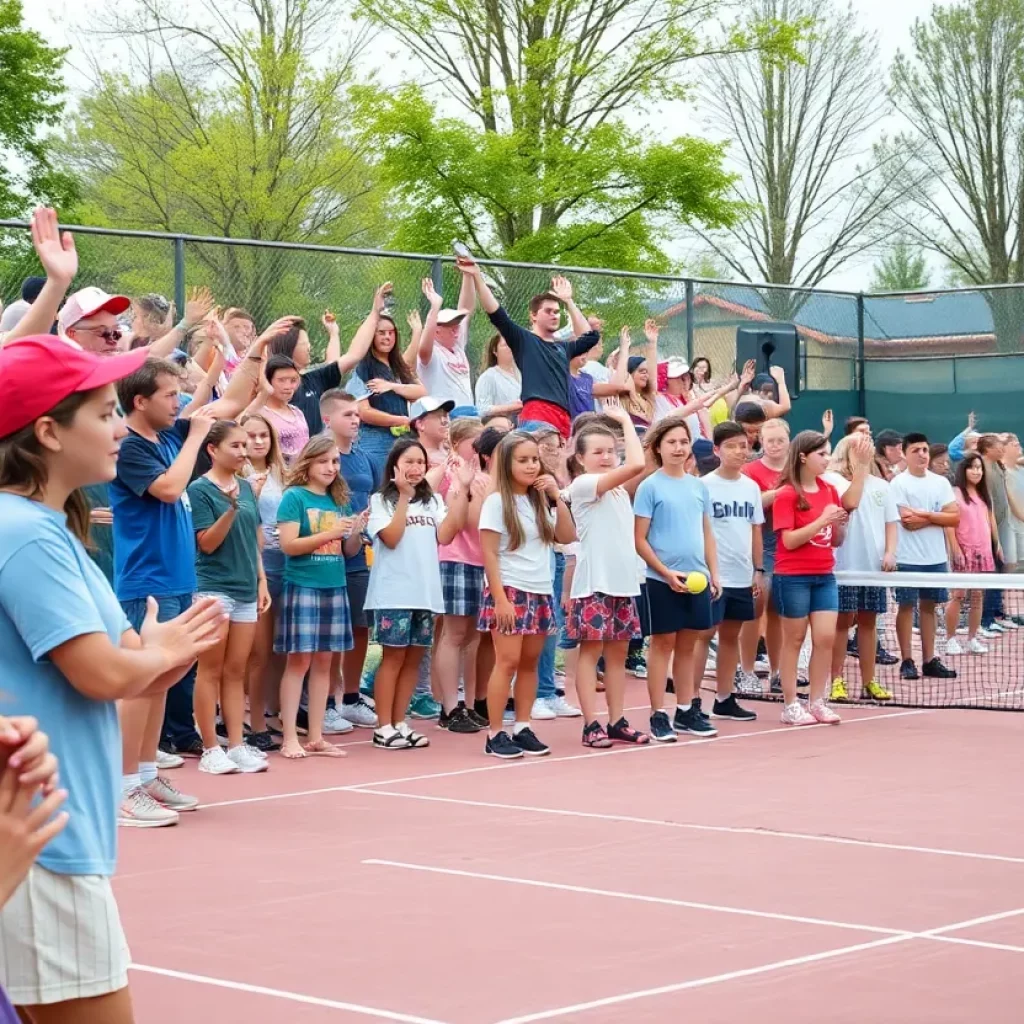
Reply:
x=313, y=621
x=463, y=588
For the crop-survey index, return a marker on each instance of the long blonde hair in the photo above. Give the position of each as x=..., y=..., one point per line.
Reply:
x=298, y=476
x=501, y=472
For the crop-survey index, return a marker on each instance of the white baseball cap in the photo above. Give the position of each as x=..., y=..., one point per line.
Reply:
x=88, y=301
x=451, y=316
x=425, y=405
x=677, y=368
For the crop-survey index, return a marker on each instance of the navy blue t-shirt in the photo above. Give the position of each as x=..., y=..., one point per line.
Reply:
x=154, y=543
x=363, y=478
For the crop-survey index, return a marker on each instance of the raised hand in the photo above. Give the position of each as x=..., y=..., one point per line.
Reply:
x=330, y=322
x=827, y=422
x=561, y=289
x=863, y=450
x=415, y=321
x=198, y=306
x=278, y=327
x=466, y=470
x=201, y=421
x=56, y=252
x=972, y=420
x=749, y=373
x=467, y=265
x=614, y=409
x=651, y=329
x=777, y=374
x=184, y=638
x=381, y=294
x=430, y=293
x=625, y=338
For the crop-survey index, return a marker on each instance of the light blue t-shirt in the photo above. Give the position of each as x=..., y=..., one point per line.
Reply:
x=676, y=507
x=51, y=591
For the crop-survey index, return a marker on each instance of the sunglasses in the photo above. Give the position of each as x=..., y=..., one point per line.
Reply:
x=106, y=333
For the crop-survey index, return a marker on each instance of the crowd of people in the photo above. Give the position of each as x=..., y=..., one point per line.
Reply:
x=201, y=535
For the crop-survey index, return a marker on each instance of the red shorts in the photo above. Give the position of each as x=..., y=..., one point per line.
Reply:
x=547, y=412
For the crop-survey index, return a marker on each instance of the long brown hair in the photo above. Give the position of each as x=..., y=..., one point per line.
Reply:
x=299, y=474
x=501, y=471
x=593, y=429
x=806, y=442
x=23, y=464
x=656, y=434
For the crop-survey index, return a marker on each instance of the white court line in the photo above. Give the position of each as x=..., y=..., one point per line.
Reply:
x=530, y=762
x=750, y=972
x=277, y=993
x=937, y=935
x=727, y=829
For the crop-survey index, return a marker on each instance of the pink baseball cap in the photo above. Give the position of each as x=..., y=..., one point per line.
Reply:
x=88, y=301
x=39, y=372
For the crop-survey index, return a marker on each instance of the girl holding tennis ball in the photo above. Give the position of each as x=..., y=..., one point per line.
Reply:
x=673, y=535
x=602, y=601
x=810, y=519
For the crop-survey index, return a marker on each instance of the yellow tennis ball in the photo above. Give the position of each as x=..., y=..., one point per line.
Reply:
x=696, y=582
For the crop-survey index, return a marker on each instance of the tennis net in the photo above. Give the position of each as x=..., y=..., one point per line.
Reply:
x=978, y=646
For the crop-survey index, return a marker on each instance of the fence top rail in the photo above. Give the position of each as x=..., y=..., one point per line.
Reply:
x=443, y=258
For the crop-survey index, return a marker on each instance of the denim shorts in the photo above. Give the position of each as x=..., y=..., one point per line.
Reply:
x=796, y=597
x=236, y=611
x=911, y=595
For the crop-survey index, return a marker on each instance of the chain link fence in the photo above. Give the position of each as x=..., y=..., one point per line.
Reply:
x=904, y=359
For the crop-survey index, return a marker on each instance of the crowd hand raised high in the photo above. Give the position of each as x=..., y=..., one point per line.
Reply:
x=652, y=329
x=561, y=288
x=56, y=252
x=777, y=374
x=415, y=321
x=430, y=293
x=381, y=294
x=184, y=638
x=863, y=450
x=827, y=422
x=329, y=321
x=198, y=306
x=278, y=327
x=614, y=409
x=748, y=374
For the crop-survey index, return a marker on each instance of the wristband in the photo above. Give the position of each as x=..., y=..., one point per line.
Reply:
x=182, y=325
x=760, y=570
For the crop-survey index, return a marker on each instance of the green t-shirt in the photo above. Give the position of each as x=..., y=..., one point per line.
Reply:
x=102, y=548
x=231, y=570
x=315, y=513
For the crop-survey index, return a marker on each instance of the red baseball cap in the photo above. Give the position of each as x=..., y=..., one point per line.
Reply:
x=39, y=372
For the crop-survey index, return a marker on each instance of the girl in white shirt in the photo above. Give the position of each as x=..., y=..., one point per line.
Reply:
x=602, y=602
x=518, y=527
x=407, y=522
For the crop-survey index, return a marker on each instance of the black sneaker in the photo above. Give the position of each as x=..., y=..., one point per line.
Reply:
x=476, y=718
x=696, y=705
x=884, y=657
x=636, y=664
x=459, y=722
x=500, y=745
x=661, y=728
x=302, y=722
x=190, y=748
x=526, y=740
x=908, y=670
x=262, y=741
x=934, y=669
x=776, y=684
x=803, y=684
x=729, y=708
x=443, y=719
x=222, y=733
x=851, y=647
x=693, y=721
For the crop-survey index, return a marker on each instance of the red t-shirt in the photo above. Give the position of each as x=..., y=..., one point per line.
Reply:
x=816, y=557
x=767, y=480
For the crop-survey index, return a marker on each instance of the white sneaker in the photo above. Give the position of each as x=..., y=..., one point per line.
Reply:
x=256, y=752
x=335, y=723
x=987, y=634
x=1008, y=624
x=139, y=810
x=166, y=794
x=762, y=667
x=997, y=627
x=562, y=708
x=797, y=714
x=215, y=762
x=953, y=646
x=542, y=711
x=360, y=714
x=165, y=762
x=244, y=760
x=977, y=647
x=747, y=683
x=822, y=713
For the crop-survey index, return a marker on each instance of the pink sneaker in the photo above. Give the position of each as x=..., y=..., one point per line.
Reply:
x=796, y=714
x=821, y=712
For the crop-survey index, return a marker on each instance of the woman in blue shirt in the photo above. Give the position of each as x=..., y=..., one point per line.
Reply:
x=69, y=656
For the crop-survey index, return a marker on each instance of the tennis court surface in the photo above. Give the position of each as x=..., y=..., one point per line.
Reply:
x=870, y=871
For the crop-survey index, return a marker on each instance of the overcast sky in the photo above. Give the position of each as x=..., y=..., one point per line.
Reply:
x=890, y=19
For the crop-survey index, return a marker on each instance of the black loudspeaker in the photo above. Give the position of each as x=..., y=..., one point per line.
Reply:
x=770, y=345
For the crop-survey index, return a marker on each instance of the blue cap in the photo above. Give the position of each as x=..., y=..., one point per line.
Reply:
x=464, y=412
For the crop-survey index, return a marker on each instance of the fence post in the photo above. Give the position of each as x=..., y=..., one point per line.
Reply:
x=689, y=322
x=861, y=396
x=179, y=277
x=437, y=276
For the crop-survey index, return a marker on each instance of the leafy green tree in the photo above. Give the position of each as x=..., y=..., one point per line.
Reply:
x=903, y=268
x=31, y=100
x=552, y=161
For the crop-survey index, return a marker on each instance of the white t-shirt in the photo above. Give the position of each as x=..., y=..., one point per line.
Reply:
x=529, y=566
x=664, y=406
x=409, y=575
x=735, y=510
x=864, y=544
x=606, y=562
x=930, y=493
x=447, y=375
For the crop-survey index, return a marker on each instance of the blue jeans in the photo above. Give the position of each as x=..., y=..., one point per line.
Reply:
x=991, y=607
x=376, y=443
x=179, y=725
x=796, y=597
x=546, y=665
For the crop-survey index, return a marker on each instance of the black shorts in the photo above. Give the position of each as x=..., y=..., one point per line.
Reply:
x=669, y=612
x=735, y=605
x=357, y=582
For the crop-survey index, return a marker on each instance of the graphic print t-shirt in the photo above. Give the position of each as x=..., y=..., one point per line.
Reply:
x=816, y=557
x=735, y=512
x=315, y=513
